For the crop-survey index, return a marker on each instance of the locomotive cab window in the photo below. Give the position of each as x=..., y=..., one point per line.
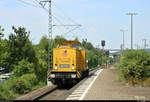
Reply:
x=77, y=46
x=61, y=45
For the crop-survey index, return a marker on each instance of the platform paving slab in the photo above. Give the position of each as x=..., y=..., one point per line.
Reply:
x=107, y=87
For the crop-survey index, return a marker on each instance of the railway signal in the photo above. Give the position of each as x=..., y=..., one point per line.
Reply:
x=103, y=43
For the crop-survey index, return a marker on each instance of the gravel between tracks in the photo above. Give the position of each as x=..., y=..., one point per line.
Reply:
x=107, y=87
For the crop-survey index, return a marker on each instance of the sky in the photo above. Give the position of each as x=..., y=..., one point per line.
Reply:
x=100, y=20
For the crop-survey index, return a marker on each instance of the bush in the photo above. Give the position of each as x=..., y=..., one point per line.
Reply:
x=136, y=64
x=42, y=74
x=20, y=86
x=30, y=78
x=23, y=80
x=23, y=67
x=24, y=83
x=15, y=86
x=6, y=93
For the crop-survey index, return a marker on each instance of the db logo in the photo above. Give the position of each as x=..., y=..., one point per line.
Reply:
x=64, y=53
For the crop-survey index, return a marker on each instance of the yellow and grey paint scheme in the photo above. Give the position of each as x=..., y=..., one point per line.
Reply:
x=79, y=74
x=68, y=61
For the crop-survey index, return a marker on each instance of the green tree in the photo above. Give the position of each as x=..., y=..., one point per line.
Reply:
x=76, y=39
x=20, y=47
x=59, y=39
x=41, y=63
x=1, y=32
x=89, y=46
x=92, y=59
x=44, y=43
x=4, y=54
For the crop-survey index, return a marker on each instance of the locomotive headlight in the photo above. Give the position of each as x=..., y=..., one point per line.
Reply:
x=55, y=67
x=73, y=75
x=72, y=66
x=52, y=75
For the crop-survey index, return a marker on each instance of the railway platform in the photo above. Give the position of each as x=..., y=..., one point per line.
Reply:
x=104, y=85
x=107, y=87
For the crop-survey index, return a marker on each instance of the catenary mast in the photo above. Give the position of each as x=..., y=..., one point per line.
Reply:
x=50, y=63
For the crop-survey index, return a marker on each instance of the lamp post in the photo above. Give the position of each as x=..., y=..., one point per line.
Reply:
x=131, y=14
x=123, y=31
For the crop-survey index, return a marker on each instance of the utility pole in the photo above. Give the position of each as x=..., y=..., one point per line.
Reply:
x=131, y=27
x=144, y=43
x=123, y=31
x=50, y=58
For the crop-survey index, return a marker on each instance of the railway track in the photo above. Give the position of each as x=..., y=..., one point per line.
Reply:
x=53, y=92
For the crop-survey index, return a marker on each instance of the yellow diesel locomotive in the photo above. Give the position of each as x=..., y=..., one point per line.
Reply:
x=69, y=63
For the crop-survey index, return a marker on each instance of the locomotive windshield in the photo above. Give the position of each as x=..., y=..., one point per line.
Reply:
x=77, y=46
x=61, y=45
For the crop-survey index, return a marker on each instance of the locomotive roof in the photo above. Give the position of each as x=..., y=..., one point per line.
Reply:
x=70, y=42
